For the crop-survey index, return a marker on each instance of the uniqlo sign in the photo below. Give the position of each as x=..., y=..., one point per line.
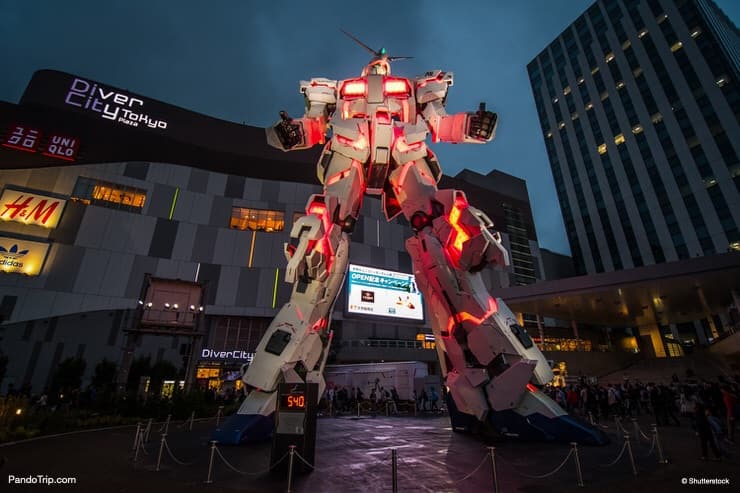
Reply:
x=31, y=208
x=22, y=138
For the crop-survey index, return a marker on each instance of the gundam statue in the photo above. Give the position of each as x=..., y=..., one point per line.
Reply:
x=379, y=123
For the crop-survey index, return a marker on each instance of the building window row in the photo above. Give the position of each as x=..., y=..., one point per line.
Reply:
x=92, y=191
x=257, y=219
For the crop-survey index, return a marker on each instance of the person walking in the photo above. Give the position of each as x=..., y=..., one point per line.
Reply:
x=704, y=432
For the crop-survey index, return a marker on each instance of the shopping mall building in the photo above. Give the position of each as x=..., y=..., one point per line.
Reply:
x=133, y=228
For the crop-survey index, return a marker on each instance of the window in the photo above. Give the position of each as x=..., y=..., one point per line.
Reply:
x=521, y=334
x=619, y=139
x=637, y=129
x=602, y=148
x=676, y=46
x=257, y=219
x=92, y=191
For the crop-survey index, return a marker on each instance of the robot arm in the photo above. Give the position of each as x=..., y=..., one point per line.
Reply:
x=292, y=134
x=471, y=127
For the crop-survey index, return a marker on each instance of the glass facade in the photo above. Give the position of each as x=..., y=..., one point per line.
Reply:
x=92, y=191
x=654, y=83
x=257, y=219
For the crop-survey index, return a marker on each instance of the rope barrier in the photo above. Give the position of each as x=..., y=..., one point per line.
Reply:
x=468, y=476
x=172, y=456
x=619, y=456
x=246, y=473
x=652, y=447
x=540, y=476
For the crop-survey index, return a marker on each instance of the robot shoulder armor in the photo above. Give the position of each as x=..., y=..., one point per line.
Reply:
x=319, y=89
x=433, y=85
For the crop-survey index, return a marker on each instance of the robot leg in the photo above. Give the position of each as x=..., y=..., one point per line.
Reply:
x=491, y=366
x=295, y=346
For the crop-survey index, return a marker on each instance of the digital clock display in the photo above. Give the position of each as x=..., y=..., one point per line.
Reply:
x=293, y=401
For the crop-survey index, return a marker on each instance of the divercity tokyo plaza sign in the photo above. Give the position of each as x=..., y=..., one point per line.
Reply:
x=234, y=354
x=112, y=105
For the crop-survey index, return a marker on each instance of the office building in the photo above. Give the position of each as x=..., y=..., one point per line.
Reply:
x=639, y=103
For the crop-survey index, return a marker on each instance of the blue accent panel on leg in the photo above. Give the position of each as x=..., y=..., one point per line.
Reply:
x=537, y=427
x=243, y=428
x=460, y=421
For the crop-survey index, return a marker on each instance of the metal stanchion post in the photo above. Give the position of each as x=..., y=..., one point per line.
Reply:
x=139, y=442
x=167, y=424
x=148, y=429
x=579, y=476
x=661, y=458
x=290, y=468
x=161, y=449
x=136, y=438
x=358, y=409
x=386, y=408
x=493, y=468
x=591, y=418
x=219, y=414
x=394, y=466
x=210, y=463
x=629, y=451
x=192, y=418
x=636, y=427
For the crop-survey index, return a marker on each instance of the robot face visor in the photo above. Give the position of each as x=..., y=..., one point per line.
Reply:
x=377, y=67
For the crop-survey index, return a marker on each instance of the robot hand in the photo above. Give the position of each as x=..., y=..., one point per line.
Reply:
x=482, y=125
x=287, y=132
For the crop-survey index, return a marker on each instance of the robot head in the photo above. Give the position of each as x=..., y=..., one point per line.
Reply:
x=377, y=66
x=380, y=64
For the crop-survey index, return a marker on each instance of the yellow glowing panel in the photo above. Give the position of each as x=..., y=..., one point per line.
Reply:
x=31, y=208
x=21, y=256
x=676, y=46
x=619, y=139
x=602, y=148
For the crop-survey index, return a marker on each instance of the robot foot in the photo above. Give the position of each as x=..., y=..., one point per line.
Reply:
x=538, y=425
x=244, y=428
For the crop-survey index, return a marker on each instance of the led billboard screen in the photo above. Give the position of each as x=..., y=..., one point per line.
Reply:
x=385, y=293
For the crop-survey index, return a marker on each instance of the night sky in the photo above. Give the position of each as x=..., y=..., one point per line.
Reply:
x=241, y=61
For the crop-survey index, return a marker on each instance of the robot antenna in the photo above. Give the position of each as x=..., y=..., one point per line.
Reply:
x=376, y=53
x=381, y=53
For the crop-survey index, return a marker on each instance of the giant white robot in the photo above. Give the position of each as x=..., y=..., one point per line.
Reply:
x=378, y=124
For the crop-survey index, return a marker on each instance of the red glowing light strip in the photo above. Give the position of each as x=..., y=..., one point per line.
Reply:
x=467, y=317
x=403, y=146
x=359, y=144
x=531, y=388
x=18, y=148
x=65, y=158
x=460, y=235
x=396, y=87
x=354, y=88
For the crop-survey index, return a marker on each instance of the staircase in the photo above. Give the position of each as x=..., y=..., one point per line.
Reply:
x=703, y=364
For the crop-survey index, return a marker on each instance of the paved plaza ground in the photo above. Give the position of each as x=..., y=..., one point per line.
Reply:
x=354, y=455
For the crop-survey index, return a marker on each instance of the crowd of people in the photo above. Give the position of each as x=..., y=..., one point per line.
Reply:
x=344, y=400
x=711, y=406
